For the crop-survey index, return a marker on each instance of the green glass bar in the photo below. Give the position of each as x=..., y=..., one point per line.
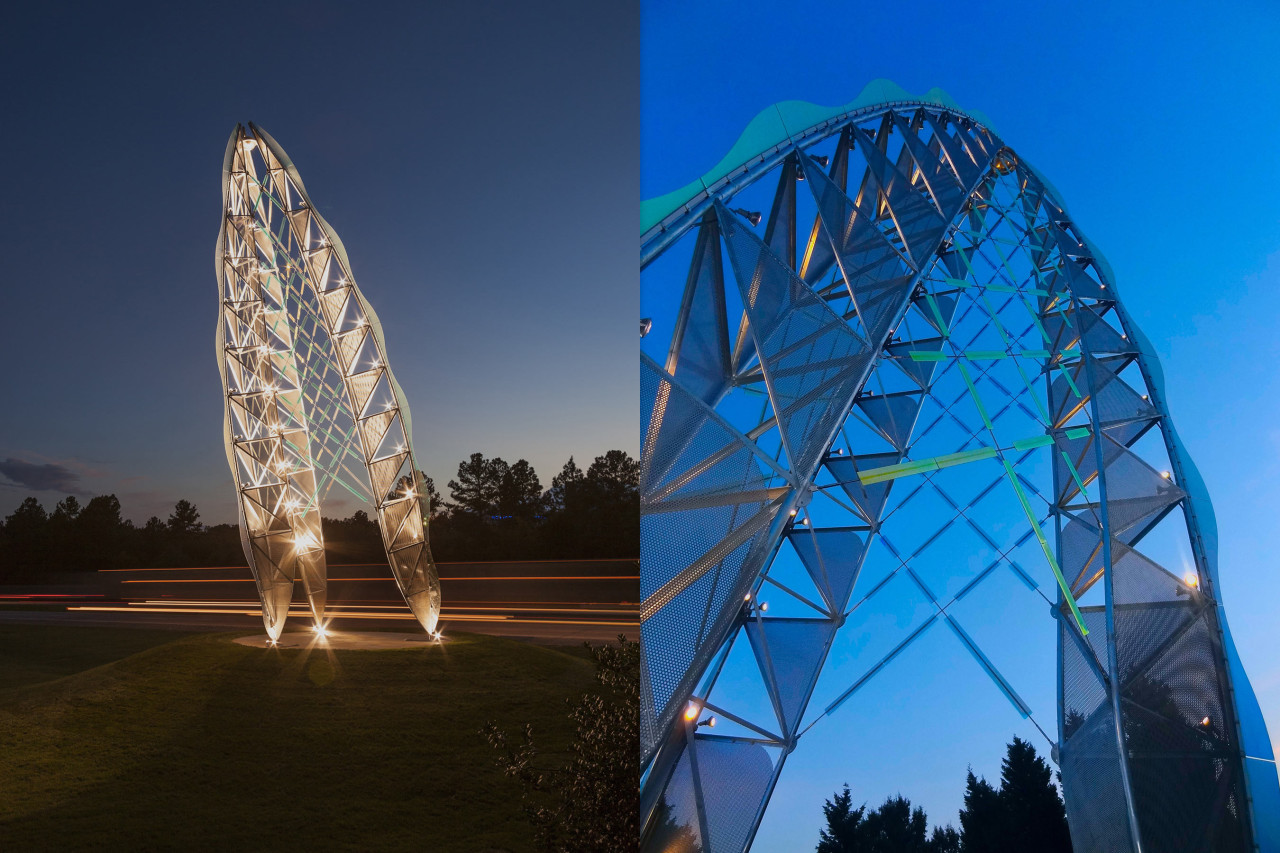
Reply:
x=1044, y=545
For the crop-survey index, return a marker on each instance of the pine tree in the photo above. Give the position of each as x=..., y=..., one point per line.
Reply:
x=1026, y=812
x=1035, y=817
x=185, y=518
x=564, y=488
x=435, y=504
x=520, y=493
x=982, y=818
x=475, y=492
x=845, y=831
x=944, y=840
x=895, y=827
x=68, y=508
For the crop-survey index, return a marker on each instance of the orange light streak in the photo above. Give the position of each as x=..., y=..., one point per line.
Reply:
x=350, y=608
x=389, y=580
x=349, y=565
x=408, y=616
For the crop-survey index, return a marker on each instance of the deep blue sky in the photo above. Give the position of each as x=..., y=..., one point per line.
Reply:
x=477, y=159
x=1156, y=122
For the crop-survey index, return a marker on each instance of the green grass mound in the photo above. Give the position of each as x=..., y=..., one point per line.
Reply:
x=203, y=744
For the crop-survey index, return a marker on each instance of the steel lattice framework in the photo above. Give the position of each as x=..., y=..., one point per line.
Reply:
x=887, y=370
x=310, y=399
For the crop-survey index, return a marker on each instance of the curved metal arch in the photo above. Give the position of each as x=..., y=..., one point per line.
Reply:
x=310, y=398
x=685, y=416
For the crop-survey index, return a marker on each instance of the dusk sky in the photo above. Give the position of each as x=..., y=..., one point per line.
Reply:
x=1156, y=124
x=478, y=160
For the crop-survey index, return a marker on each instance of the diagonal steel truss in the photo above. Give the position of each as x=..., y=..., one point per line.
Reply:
x=909, y=379
x=310, y=399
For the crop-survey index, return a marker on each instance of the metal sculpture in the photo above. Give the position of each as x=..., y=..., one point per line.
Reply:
x=310, y=399
x=876, y=327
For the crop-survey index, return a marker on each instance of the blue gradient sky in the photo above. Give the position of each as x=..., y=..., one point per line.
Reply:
x=1157, y=128
x=477, y=159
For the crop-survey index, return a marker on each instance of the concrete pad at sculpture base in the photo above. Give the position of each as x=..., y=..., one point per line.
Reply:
x=370, y=641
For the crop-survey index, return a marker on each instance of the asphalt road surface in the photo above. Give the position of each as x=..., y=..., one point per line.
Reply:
x=547, y=602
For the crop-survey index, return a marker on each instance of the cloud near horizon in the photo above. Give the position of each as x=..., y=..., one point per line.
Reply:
x=41, y=478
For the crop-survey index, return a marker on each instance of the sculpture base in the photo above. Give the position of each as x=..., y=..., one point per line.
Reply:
x=374, y=641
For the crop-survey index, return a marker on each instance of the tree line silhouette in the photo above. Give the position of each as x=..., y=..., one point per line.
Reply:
x=497, y=511
x=1024, y=813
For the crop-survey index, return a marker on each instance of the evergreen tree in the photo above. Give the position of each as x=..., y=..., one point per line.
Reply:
x=615, y=476
x=27, y=536
x=982, y=818
x=68, y=508
x=435, y=502
x=185, y=518
x=475, y=492
x=65, y=541
x=669, y=834
x=1034, y=814
x=29, y=515
x=846, y=831
x=945, y=840
x=564, y=488
x=519, y=492
x=104, y=533
x=895, y=827
x=1026, y=813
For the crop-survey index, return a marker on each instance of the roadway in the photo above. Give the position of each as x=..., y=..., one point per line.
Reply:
x=556, y=602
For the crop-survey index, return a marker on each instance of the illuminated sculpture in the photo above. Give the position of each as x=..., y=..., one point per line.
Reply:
x=884, y=375
x=310, y=399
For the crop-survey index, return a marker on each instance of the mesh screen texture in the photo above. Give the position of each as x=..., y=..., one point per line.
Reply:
x=1091, y=782
x=811, y=360
x=1082, y=691
x=677, y=828
x=1142, y=631
x=875, y=273
x=669, y=643
x=677, y=635
x=915, y=217
x=703, y=365
x=734, y=777
x=942, y=182
x=1135, y=579
x=1135, y=491
x=795, y=648
x=832, y=558
x=1117, y=402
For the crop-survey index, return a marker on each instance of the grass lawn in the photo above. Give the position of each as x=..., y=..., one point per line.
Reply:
x=120, y=739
